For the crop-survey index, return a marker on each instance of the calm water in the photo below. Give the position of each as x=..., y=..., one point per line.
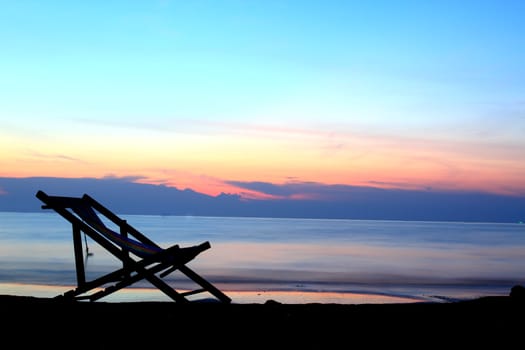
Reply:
x=291, y=260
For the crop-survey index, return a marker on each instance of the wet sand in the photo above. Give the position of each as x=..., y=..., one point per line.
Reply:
x=52, y=324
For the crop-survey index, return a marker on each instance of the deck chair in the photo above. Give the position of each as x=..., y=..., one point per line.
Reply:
x=141, y=258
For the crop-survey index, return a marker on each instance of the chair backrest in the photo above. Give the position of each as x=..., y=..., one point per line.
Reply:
x=90, y=217
x=84, y=209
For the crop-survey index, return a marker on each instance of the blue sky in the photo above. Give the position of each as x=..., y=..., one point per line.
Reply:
x=209, y=95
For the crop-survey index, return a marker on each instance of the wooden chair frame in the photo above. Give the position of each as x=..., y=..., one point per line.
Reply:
x=151, y=265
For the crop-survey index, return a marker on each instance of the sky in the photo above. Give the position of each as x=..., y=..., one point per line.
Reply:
x=227, y=96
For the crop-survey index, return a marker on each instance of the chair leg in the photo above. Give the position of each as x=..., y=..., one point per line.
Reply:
x=205, y=284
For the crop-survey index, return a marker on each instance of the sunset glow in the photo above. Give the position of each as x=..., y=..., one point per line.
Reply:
x=199, y=95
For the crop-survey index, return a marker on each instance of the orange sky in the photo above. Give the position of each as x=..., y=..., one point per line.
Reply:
x=325, y=154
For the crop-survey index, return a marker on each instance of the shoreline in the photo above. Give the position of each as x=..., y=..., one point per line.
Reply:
x=248, y=296
x=376, y=295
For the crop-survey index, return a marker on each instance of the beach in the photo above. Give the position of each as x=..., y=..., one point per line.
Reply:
x=52, y=323
x=329, y=284
x=288, y=260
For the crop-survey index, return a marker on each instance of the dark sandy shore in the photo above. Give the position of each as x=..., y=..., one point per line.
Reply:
x=494, y=321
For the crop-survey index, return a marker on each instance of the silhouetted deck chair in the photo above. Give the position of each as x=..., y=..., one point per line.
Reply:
x=141, y=258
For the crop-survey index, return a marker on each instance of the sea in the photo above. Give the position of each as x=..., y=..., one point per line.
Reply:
x=256, y=260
